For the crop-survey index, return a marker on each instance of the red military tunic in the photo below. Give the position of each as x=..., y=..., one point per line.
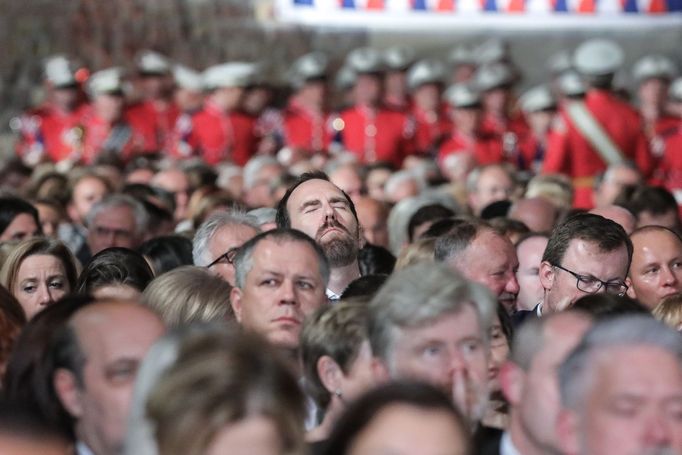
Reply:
x=485, y=147
x=669, y=167
x=376, y=134
x=570, y=153
x=306, y=129
x=430, y=128
x=51, y=133
x=217, y=136
x=99, y=136
x=155, y=122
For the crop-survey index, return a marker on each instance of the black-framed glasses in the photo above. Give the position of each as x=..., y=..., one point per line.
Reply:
x=590, y=284
x=225, y=258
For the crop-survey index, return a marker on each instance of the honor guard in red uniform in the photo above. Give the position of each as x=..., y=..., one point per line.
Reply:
x=306, y=118
x=540, y=108
x=53, y=131
x=431, y=117
x=221, y=131
x=495, y=81
x=105, y=128
x=675, y=98
x=155, y=115
x=600, y=131
x=368, y=129
x=189, y=97
x=462, y=65
x=467, y=136
x=397, y=60
x=653, y=75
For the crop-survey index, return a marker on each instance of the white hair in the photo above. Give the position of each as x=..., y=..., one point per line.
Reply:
x=200, y=254
x=254, y=166
x=121, y=200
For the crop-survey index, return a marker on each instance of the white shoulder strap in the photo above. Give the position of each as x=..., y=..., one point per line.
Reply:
x=593, y=132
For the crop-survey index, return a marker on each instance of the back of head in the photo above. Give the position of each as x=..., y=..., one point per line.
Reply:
x=427, y=214
x=240, y=376
x=28, y=379
x=360, y=415
x=364, y=287
x=167, y=252
x=25, y=432
x=189, y=294
x=606, y=234
x=419, y=295
x=621, y=332
x=604, y=306
x=336, y=331
x=374, y=259
x=112, y=267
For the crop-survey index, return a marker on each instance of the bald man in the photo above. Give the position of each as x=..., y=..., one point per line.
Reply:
x=373, y=216
x=537, y=213
x=618, y=214
x=96, y=359
x=656, y=270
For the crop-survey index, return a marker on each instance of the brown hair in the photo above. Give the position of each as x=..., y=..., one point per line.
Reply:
x=219, y=379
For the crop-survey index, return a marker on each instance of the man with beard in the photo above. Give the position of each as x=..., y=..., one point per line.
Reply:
x=482, y=255
x=320, y=209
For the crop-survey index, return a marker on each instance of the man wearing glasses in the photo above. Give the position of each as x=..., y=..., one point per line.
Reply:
x=586, y=254
x=217, y=240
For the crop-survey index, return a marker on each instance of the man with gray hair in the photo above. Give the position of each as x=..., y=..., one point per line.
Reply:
x=530, y=382
x=281, y=277
x=117, y=220
x=258, y=174
x=483, y=255
x=428, y=323
x=621, y=390
x=402, y=185
x=216, y=241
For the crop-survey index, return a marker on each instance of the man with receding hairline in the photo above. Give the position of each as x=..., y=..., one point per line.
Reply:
x=656, y=270
x=96, y=360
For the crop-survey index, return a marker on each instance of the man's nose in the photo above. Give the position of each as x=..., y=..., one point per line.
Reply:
x=669, y=277
x=657, y=432
x=287, y=293
x=513, y=284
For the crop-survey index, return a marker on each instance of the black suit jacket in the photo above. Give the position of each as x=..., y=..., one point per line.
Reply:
x=520, y=316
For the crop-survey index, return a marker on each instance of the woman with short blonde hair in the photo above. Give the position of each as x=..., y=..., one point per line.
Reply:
x=189, y=294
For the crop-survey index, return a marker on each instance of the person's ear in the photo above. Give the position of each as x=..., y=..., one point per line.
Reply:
x=330, y=373
x=236, y=303
x=512, y=382
x=631, y=291
x=568, y=432
x=68, y=392
x=380, y=371
x=547, y=275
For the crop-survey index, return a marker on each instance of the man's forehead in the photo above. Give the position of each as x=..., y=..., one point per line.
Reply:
x=652, y=237
x=296, y=251
x=314, y=189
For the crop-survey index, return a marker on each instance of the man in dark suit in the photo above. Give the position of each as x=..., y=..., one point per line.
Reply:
x=530, y=383
x=585, y=254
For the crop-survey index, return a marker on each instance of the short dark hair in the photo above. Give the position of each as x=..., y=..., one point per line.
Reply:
x=114, y=266
x=11, y=207
x=243, y=259
x=604, y=306
x=428, y=213
x=28, y=379
x=365, y=286
x=283, y=219
x=458, y=239
x=374, y=259
x=607, y=234
x=167, y=252
x=509, y=226
x=360, y=414
x=645, y=198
